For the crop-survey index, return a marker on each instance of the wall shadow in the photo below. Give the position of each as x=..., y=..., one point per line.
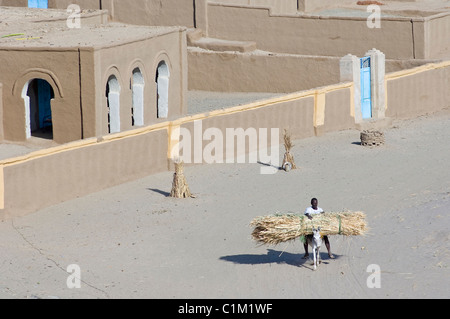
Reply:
x=270, y=165
x=164, y=193
x=276, y=257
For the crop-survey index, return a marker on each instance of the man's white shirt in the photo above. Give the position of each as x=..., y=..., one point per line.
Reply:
x=312, y=211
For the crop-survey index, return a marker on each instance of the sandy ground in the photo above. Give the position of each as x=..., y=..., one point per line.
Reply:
x=14, y=149
x=206, y=101
x=133, y=241
x=11, y=149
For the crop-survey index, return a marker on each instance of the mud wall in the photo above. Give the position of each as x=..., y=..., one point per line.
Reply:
x=78, y=77
x=60, y=69
x=260, y=71
x=438, y=41
x=418, y=91
x=77, y=169
x=145, y=55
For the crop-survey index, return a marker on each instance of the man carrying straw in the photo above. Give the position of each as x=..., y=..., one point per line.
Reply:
x=309, y=212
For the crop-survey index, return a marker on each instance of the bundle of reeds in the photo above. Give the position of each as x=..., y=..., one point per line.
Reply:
x=279, y=228
x=288, y=160
x=180, y=188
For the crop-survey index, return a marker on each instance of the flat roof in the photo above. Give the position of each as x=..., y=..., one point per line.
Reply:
x=38, y=28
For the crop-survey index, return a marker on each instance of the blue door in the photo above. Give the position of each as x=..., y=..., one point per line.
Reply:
x=366, y=91
x=44, y=97
x=41, y=4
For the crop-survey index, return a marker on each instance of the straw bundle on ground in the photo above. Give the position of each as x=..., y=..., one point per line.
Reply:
x=180, y=188
x=275, y=229
x=288, y=160
x=372, y=138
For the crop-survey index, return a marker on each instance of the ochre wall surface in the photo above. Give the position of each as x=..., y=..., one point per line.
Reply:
x=438, y=41
x=145, y=55
x=78, y=77
x=79, y=169
x=60, y=69
x=259, y=71
x=164, y=13
x=418, y=91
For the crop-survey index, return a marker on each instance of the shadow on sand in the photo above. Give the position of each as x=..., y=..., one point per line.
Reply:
x=270, y=165
x=164, y=193
x=277, y=257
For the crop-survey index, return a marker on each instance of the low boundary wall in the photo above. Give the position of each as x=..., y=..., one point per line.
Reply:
x=418, y=91
x=43, y=178
x=261, y=71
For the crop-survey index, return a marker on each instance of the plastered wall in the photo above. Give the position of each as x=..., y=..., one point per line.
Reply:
x=268, y=72
x=59, y=174
x=259, y=71
x=78, y=78
x=418, y=91
x=313, y=5
x=438, y=38
x=145, y=55
x=60, y=69
x=164, y=13
x=303, y=114
x=286, y=6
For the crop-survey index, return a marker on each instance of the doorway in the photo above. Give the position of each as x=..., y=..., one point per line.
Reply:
x=366, y=88
x=39, y=94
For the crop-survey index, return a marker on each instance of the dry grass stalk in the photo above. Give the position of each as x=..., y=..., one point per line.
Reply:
x=180, y=188
x=276, y=229
x=288, y=157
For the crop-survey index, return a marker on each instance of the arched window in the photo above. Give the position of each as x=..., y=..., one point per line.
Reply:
x=137, y=87
x=162, y=84
x=113, y=104
x=37, y=95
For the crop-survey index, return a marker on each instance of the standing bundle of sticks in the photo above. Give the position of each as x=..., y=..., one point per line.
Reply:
x=275, y=229
x=288, y=160
x=180, y=188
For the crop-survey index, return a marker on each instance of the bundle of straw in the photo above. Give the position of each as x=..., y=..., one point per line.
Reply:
x=180, y=188
x=275, y=229
x=288, y=157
